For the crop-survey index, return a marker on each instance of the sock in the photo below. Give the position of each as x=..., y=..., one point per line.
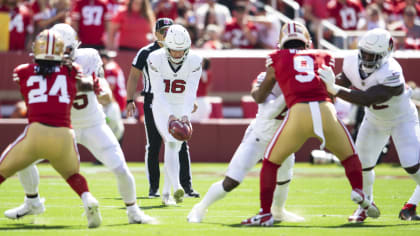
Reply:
x=353, y=170
x=415, y=197
x=368, y=180
x=171, y=163
x=2, y=179
x=268, y=176
x=29, y=179
x=280, y=196
x=78, y=183
x=166, y=183
x=132, y=208
x=126, y=184
x=215, y=193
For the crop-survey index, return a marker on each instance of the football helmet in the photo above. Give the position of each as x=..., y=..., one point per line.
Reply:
x=177, y=39
x=375, y=47
x=294, y=30
x=69, y=36
x=48, y=46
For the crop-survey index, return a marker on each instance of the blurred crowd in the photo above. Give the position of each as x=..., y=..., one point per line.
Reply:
x=222, y=24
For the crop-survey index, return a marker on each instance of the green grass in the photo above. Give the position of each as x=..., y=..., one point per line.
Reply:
x=319, y=193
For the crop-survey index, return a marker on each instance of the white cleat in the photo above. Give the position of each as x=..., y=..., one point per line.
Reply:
x=282, y=215
x=196, y=214
x=179, y=195
x=137, y=216
x=168, y=200
x=29, y=207
x=358, y=197
x=91, y=206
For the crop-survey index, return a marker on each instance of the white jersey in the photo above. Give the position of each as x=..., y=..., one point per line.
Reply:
x=270, y=113
x=174, y=89
x=398, y=108
x=86, y=110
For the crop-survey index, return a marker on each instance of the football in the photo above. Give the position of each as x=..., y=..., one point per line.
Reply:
x=180, y=130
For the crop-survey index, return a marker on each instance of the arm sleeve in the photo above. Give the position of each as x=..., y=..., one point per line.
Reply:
x=191, y=89
x=158, y=87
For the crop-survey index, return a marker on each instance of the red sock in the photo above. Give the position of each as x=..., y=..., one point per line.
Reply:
x=2, y=179
x=268, y=178
x=78, y=183
x=353, y=170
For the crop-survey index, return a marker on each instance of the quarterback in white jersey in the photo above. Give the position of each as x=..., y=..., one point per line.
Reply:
x=254, y=143
x=174, y=75
x=88, y=120
x=381, y=88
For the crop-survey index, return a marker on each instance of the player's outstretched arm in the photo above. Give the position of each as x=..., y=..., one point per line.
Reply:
x=374, y=95
x=260, y=92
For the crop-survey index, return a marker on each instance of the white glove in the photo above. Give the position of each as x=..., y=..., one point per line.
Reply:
x=327, y=75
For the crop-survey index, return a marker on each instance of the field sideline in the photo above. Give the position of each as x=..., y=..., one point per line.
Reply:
x=321, y=194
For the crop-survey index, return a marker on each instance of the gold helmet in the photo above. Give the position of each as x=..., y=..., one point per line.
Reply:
x=48, y=46
x=294, y=30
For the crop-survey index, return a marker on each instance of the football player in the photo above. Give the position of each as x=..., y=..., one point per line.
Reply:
x=255, y=141
x=88, y=119
x=380, y=86
x=49, y=89
x=174, y=76
x=311, y=114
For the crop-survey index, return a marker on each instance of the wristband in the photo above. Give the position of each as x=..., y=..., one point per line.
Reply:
x=130, y=101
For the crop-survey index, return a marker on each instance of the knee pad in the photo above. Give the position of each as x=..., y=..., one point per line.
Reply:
x=412, y=169
x=229, y=184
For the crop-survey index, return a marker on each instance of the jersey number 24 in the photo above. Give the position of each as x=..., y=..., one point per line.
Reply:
x=40, y=94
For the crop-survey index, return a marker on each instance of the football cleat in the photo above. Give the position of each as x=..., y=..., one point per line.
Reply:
x=179, y=195
x=408, y=212
x=192, y=193
x=282, y=215
x=259, y=220
x=29, y=207
x=168, y=200
x=91, y=206
x=358, y=216
x=137, y=216
x=358, y=197
x=154, y=193
x=196, y=214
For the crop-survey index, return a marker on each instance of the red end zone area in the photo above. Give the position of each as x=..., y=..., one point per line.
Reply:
x=212, y=141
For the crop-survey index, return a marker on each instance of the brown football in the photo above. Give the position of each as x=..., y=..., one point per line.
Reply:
x=180, y=130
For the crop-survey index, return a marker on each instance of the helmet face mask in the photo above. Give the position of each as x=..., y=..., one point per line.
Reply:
x=177, y=39
x=375, y=48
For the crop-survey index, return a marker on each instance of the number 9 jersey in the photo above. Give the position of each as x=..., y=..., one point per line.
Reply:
x=296, y=73
x=49, y=99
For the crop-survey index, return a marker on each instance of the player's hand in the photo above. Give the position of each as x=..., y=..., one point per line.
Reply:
x=327, y=75
x=195, y=107
x=171, y=118
x=185, y=120
x=96, y=85
x=131, y=109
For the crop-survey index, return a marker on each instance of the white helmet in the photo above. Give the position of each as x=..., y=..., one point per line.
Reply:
x=294, y=30
x=177, y=39
x=69, y=36
x=375, y=48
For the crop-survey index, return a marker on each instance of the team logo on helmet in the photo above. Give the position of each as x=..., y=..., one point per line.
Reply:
x=48, y=46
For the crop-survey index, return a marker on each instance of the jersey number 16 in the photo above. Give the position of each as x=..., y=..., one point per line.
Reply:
x=177, y=86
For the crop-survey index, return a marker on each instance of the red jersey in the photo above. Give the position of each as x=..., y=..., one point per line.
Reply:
x=20, y=25
x=168, y=10
x=115, y=77
x=48, y=99
x=92, y=16
x=38, y=14
x=233, y=34
x=345, y=15
x=205, y=81
x=296, y=74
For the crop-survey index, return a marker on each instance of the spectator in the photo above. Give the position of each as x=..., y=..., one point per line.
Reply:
x=90, y=18
x=115, y=77
x=204, y=107
x=401, y=6
x=387, y=8
x=45, y=16
x=211, y=38
x=114, y=6
x=166, y=9
x=268, y=26
x=412, y=29
x=134, y=24
x=345, y=13
x=20, y=25
x=313, y=12
x=212, y=13
x=240, y=33
x=374, y=18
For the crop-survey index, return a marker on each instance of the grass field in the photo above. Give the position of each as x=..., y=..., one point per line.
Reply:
x=319, y=193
